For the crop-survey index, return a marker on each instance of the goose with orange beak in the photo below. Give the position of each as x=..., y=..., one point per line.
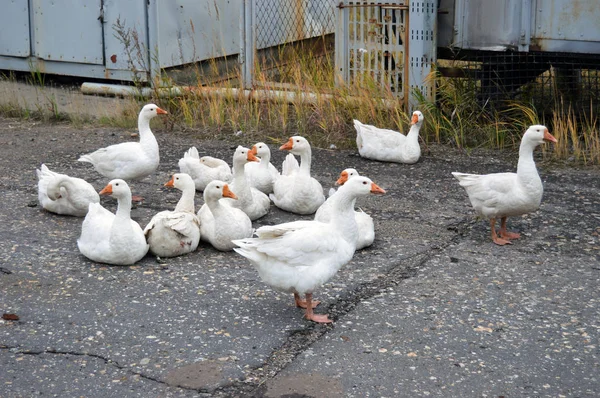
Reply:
x=389, y=145
x=364, y=222
x=177, y=232
x=261, y=175
x=112, y=238
x=250, y=200
x=296, y=190
x=130, y=160
x=503, y=195
x=299, y=256
x=220, y=223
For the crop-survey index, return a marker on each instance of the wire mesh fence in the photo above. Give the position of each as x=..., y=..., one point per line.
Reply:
x=286, y=21
x=543, y=79
x=291, y=30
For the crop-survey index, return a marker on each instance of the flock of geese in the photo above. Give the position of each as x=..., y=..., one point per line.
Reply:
x=295, y=257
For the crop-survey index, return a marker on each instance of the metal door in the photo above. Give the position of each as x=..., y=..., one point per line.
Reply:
x=14, y=28
x=68, y=30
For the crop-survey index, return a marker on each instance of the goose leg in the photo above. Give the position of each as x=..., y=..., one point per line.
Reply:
x=302, y=303
x=504, y=233
x=497, y=240
x=311, y=315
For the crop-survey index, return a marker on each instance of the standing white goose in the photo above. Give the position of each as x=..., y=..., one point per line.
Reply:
x=299, y=256
x=203, y=169
x=295, y=190
x=261, y=175
x=501, y=195
x=219, y=223
x=250, y=200
x=112, y=238
x=177, y=232
x=61, y=194
x=364, y=222
x=130, y=160
x=388, y=145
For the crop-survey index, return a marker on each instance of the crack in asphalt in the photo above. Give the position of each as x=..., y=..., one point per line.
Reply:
x=300, y=340
x=108, y=361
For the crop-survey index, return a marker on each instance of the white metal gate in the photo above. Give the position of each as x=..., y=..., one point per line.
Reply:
x=392, y=42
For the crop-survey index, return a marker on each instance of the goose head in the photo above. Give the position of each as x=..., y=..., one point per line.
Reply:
x=360, y=186
x=116, y=188
x=536, y=135
x=180, y=181
x=216, y=190
x=417, y=118
x=296, y=145
x=261, y=150
x=150, y=110
x=242, y=156
x=346, y=175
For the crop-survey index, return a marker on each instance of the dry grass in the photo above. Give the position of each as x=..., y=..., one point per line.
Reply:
x=323, y=111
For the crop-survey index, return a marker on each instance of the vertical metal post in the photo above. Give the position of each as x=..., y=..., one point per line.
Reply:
x=153, y=54
x=525, y=31
x=247, y=42
x=341, y=46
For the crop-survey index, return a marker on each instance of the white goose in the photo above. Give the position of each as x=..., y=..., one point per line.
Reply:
x=261, y=175
x=61, y=194
x=203, y=169
x=130, y=160
x=366, y=227
x=502, y=195
x=177, y=232
x=299, y=256
x=388, y=145
x=250, y=200
x=295, y=190
x=219, y=223
x=112, y=238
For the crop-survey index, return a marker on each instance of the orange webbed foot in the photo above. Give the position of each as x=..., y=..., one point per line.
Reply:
x=318, y=318
x=509, y=235
x=502, y=242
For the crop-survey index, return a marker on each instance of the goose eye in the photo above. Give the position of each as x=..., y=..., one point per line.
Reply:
x=364, y=183
x=297, y=140
x=218, y=187
x=117, y=184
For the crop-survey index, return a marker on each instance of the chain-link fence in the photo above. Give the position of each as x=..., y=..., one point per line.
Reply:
x=286, y=30
x=286, y=21
x=543, y=79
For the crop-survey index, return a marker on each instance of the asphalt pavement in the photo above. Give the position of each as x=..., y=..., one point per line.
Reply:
x=433, y=308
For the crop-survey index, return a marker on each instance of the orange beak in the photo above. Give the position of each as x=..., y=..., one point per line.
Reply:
x=343, y=178
x=254, y=150
x=227, y=192
x=414, y=119
x=160, y=111
x=376, y=189
x=287, y=146
x=251, y=157
x=107, y=190
x=170, y=183
x=549, y=137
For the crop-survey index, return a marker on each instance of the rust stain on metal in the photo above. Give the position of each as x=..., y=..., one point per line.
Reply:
x=113, y=58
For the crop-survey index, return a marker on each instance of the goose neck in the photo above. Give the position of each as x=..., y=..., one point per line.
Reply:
x=186, y=202
x=146, y=135
x=305, y=161
x=124, y=207
x=413, y=132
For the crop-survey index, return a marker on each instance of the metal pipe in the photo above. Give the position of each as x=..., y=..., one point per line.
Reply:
x=211, y=92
